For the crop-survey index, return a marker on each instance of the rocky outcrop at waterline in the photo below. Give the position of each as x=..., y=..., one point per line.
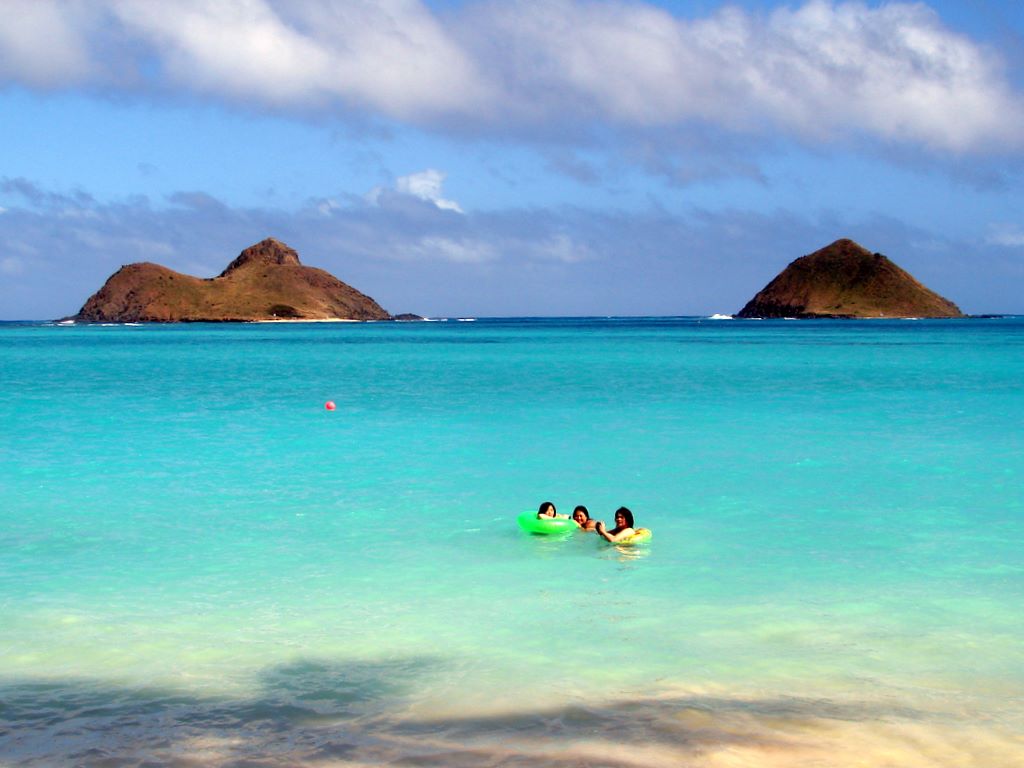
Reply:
x=265, y=282
x=844, y=280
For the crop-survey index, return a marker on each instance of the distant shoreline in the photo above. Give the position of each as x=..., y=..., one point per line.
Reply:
x=718, y=316
x=308, y=320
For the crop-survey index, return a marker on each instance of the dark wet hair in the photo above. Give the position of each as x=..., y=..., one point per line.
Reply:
x=584, y=510
x=626, y=514
x=543, y=507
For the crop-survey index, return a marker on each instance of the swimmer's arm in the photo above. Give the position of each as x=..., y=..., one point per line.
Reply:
x=613, y=537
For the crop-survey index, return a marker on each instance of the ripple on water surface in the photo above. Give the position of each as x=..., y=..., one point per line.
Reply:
x=201, y=564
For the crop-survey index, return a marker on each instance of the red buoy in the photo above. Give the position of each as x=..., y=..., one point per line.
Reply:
x=329, y=405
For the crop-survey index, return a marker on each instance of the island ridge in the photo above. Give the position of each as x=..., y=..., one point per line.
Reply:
x=845, y=280
x=265, y=282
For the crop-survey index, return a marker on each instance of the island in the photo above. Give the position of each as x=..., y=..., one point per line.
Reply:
x=266, y=282
x=845, y=280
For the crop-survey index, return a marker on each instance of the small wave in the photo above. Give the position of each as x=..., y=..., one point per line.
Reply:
x=467, y=319
x=718, y=316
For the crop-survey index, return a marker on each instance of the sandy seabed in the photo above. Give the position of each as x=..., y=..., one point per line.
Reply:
x=41, y=726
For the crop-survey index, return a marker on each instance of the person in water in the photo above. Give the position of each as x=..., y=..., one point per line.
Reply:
x=583, y=519
x=547, y=509
x=623, y=526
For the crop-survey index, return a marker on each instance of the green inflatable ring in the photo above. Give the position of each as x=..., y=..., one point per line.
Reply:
x=530, y=523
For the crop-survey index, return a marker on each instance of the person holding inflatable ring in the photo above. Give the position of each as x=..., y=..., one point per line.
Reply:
x=623, y=526
x=547, y=510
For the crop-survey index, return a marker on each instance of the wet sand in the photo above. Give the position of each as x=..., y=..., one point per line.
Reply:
x=52, y=724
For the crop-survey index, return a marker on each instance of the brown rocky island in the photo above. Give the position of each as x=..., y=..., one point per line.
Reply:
x=266, y=282
x=844, y=280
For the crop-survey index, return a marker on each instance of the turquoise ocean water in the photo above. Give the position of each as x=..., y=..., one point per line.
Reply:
x=203, y=566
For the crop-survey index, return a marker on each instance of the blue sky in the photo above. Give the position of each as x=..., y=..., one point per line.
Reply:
x=511, y=158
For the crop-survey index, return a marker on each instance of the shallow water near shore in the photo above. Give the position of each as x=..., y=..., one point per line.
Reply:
x=203, y=566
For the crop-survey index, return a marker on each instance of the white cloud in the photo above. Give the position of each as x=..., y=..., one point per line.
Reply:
x=388, y=55
x=427, y=185
x=562, y=248
x=328, y=206
x=894, y=72
x=563, y=261
x=822, y=71
x=44, y=43
x=1007, y=236
x=144, y=248
x=11, y=266
x=459, y=251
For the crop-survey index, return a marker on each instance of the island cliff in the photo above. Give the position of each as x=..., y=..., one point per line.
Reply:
x=265, y=282
x=844, y=280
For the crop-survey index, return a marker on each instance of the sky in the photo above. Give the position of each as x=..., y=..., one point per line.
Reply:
x=512, y=157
